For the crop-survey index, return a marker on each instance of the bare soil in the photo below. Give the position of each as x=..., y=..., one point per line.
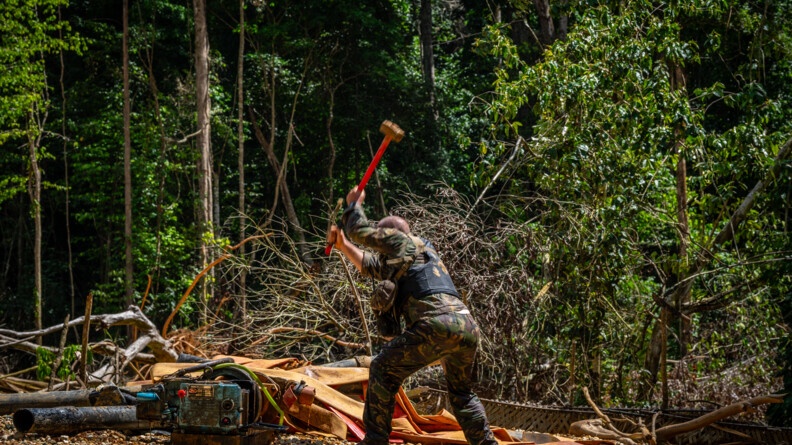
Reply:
x=10, y=436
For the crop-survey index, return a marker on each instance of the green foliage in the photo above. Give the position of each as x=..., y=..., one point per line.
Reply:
x=30, y=30
x=601, y=161
x=588, y=192
x=45, y=360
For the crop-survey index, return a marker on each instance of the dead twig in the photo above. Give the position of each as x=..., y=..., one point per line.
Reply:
x=61, y=349
x=311, y=332
x=359, y=302
x=198, y=278
x=85, y=335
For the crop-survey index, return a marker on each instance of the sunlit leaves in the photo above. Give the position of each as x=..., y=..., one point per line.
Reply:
x=634, y=90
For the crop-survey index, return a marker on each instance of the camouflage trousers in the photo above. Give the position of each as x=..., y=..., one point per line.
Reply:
x=450, y=338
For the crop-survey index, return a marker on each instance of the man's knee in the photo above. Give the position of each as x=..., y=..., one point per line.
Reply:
x=382, y=379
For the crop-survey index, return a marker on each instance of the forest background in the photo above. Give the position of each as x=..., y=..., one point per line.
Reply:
x=609, y=182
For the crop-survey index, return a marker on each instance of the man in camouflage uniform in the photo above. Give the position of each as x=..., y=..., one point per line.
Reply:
x=438, y=325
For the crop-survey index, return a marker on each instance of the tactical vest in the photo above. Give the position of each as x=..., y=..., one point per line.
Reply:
x=426, y=275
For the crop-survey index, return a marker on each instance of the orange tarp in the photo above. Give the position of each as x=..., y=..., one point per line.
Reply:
x=407, y=424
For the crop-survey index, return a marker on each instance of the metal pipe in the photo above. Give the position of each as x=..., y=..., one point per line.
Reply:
x=109, y=395
x=72, y=420
x=12, y=402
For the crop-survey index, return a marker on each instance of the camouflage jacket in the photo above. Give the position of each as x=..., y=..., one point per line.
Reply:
x=389, y=244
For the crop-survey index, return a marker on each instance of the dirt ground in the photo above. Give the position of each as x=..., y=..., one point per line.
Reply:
x=10, y=436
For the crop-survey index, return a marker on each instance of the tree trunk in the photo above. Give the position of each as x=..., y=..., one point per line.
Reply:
x=656, y=355
x=203, y=109
x=546, y=27
x=331, y=161
x=34, y=189
x=128, y=265
x=652, y=360
x=205, y=189
x=664, y=356
x=161, y=169
x=66, y=172
x=563, y=22
x=685, y=336
x=427, y=52
x=241, y=296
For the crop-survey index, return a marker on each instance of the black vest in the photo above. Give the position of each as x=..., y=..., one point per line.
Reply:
x=426, y=276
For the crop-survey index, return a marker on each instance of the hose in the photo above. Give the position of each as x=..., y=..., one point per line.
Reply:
x=258, y=382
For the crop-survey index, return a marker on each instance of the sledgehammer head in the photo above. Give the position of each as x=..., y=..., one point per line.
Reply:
x=388, y=128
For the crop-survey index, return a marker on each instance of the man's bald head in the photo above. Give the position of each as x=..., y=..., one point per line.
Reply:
x=394, y=222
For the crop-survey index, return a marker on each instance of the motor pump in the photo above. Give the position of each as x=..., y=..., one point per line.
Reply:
x=222, y=406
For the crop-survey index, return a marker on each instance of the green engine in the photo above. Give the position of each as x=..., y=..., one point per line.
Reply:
x=220, y=407
x=204, y=407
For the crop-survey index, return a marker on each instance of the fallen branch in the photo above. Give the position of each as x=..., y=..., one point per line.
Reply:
x=670, y=431
x=316, y=333
x=603, y=428
x=600, y=429
x=161, y=348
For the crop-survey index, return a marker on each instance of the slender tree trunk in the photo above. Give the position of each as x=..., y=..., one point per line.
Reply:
x=203, y=106
x=282, y=193
x=215, y=194
x=685, y=336
x=66, y=174
x=20, y=248
x=563, y=22
x=161, y=167
x=595, y=372
x=383, y=209
x=427, y=52
x=242, y=303
x=331, y=161
x=547, y=29
x=664, y=356
x=656, y=355
x=128, y=264
x=34, y=189
x=205, y=189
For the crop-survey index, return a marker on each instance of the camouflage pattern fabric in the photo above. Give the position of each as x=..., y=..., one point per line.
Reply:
x=452, y=339
x=439, y=327
x=391, y=244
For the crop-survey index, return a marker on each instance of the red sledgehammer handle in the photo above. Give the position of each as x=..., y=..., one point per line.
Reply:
x=392, y=132
x=373, y=165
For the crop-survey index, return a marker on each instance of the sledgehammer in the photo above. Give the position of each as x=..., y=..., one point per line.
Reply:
x=392, y=132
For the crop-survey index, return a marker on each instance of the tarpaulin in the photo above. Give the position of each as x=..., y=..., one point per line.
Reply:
x=408, y=424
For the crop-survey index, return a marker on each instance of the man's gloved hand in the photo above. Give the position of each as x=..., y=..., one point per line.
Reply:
x=355, y=196
x=336, y=237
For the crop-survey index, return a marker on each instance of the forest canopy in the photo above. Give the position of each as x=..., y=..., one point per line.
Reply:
x=608, y=182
